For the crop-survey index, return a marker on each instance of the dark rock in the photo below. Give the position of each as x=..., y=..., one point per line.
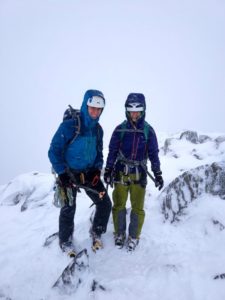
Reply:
x=190, y=185
x=220, y=276
x=203, y=138
x=196, y=155
x=219, y=224
x=190, y=136
x=167, y=144
x=219, y=140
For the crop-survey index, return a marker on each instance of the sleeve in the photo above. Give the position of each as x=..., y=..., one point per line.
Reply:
x=153, y=151
x=114, y=146
x=59, y=141
x=99, y=158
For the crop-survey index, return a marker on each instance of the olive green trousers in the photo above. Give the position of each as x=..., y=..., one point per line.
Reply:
x=137, y=215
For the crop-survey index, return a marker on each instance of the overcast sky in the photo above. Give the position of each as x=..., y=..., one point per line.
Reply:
x=53, y=51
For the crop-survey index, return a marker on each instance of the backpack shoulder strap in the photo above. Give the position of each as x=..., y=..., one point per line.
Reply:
x=123, y=129
x=147, y=128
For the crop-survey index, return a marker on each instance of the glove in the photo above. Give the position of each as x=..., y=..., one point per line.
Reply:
x=159, y=183
x=93, y=176
x=65, y=180
x=108, y=178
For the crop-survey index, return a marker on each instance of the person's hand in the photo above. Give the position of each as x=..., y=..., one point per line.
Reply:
x=159, y=183
x=108, y=176
x=65, y=180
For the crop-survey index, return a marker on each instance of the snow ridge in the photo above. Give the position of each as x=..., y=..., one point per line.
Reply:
x=173, y=259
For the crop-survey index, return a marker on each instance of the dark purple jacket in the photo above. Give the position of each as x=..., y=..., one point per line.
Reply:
x=133, y=146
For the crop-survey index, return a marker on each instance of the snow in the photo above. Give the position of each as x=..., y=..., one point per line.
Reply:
x=172, y=261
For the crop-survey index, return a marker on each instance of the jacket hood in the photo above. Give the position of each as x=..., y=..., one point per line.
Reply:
x=88, y=121
x=136, y=98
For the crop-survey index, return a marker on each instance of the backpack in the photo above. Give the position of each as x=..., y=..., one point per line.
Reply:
x=72, y=113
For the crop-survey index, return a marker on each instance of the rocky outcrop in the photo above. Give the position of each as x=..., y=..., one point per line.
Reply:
x=204, y=138
x=167, y=144
x=169, y=147
x=189, y=186
x=190, y=136
x=194, y=138
x=219, y=140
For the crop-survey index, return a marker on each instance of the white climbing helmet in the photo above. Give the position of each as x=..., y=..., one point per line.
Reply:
x=96, y=101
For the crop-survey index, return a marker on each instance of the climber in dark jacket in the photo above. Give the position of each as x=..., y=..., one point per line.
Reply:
x=132, y=143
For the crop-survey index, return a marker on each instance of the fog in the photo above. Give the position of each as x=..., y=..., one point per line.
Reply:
x=53, y=51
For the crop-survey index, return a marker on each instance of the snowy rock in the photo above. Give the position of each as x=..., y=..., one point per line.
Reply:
x=190, y=136
x=190, y=185
x=29, y=189
x=203, y=138
x=218, y=224
x=191, y=152
x=195, y=153
x=219, y=140
x=3, y=297
x=167, y=144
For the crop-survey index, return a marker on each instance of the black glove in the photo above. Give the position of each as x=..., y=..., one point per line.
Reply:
x=65, y=180
x=159, y=183
x=108, y=178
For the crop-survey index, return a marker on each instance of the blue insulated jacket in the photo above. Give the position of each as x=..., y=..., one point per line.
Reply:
x=133, y=146
x=85, y=152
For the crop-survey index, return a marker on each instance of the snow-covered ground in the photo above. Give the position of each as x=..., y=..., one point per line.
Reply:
x=172, y=261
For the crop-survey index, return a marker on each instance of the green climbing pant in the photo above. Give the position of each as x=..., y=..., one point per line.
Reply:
x=120, y=195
